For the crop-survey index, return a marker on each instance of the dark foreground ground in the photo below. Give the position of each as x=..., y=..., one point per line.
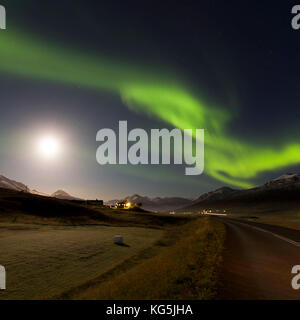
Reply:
x=257, y=264
x=55, y=249
x=68, y=252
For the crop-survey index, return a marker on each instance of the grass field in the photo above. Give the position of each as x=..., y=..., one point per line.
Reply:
x=289, y=220
x=187, y=268
x=54, y=249
x=43, y=261
x=276, y=214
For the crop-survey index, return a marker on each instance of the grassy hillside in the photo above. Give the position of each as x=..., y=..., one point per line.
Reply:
x=15, y=205
x=58, y=249
x=185, y=269
x=20, y=207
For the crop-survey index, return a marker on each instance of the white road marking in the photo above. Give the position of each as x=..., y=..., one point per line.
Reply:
x=297, y=244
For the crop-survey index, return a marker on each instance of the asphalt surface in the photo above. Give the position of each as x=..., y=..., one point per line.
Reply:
x=258, y=260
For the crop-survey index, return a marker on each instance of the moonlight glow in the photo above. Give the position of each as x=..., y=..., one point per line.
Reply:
x=48, y=147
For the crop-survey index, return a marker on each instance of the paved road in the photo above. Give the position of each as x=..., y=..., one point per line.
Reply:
x=258, y=260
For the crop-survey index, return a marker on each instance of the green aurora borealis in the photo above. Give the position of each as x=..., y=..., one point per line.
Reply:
x=154, y=93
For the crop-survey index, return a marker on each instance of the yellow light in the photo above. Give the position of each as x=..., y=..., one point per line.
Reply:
x=128, y=204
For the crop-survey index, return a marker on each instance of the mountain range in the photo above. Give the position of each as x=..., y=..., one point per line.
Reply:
x=275, y=194
x=155, y=204
x=279, y=192
x=6, y=183
x=282, y=192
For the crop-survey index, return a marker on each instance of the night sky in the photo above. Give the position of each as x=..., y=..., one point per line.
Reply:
x=74, y=67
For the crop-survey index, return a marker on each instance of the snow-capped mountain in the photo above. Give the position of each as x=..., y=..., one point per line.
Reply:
x=218, y=194
x=283, y=190
x=38, y=193
x=288, y=179
x=155, y=204
x=6, y=183
x=61, y=194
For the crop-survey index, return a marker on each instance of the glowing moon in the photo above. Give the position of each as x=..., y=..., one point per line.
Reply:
x=49, y=147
